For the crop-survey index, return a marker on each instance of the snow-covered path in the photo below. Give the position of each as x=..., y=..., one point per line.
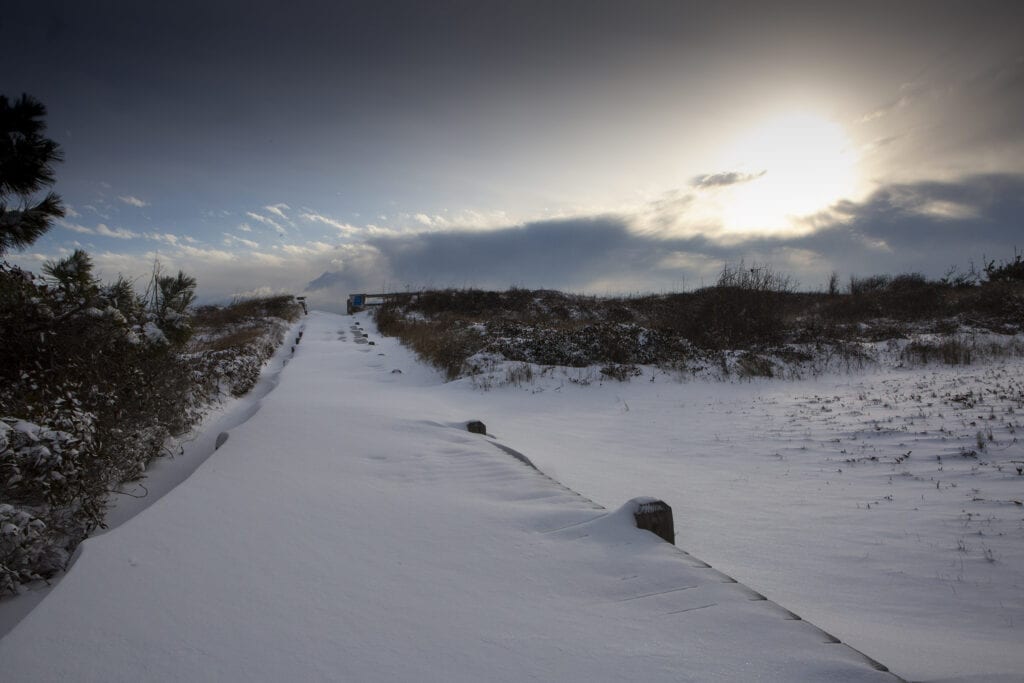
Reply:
x=353, y=530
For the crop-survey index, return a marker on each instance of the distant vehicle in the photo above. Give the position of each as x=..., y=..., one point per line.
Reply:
x=360, y=302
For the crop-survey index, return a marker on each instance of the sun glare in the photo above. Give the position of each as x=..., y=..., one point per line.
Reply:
x=791, y=166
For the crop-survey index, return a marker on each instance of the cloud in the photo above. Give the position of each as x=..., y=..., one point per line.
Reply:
x=464, y=219
x=724, y=179
x=279, y=211
x=308, y=249
x=166, y=238
x=566, y=254
x=245, y=227
x=119, y=233
x=267, y=221
x=101, y=229
x=910, y=94
x=973, y=214
x=224, y=272
x=102, y=214
x=230, y=240
x=75, y=227
x=959, y=114
x=132, y=201
x=207, y=255
x=352, y=268
x=901, y=227
x=314, y=217
x=924, y=227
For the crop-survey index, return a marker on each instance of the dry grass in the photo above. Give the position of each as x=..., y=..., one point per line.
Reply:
x=244, y=310
x=233, y=339
x=754, y=311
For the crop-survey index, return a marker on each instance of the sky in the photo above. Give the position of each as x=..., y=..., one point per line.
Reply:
x=323, y=148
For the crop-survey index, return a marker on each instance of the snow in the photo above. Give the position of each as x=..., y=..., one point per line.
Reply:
x=154, y=334
x=805, y=491
x=351, y=529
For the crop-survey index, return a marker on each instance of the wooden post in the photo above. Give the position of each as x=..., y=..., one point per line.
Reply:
x=656, y=517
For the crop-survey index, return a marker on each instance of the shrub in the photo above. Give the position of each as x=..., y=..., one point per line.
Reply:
x=93, y=381
x=749, y=309
x=754, y=365
x=621, y=373
x=1006, y=271
x=90, y=388
x=950, y=351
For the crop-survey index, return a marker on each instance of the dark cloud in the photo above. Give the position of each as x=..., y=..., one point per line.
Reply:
x=983, y=207
x=566, y=253
x=925, y=227
x=725, y=179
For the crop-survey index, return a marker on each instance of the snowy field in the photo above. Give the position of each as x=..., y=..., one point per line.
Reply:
x=350, y=529
x=884, y=506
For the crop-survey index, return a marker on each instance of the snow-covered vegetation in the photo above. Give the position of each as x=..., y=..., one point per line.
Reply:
x=352, y=528
x=855, y=455
x=752, y=322
x=94, y=380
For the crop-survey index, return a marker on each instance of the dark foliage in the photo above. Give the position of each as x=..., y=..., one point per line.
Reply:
x=1006, y=271
x=26, y=167
x=93, y=381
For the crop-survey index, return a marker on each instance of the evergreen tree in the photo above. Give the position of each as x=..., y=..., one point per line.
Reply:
x=73, y=274
x=176, y=293
x=26, y=167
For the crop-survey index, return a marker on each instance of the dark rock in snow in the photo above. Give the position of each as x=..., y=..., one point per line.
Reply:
x=477, y=427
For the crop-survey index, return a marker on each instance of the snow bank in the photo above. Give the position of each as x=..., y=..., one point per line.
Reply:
x=352, y=529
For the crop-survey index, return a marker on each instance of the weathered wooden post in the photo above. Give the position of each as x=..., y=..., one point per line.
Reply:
x=656, y=516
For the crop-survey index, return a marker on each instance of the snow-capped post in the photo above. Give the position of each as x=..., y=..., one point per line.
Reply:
x=655, y=516
x=476, y=427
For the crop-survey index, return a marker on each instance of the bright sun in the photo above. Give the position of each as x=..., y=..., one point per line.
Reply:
x=793, y=165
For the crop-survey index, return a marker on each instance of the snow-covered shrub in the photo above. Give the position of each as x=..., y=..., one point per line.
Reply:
x=43, y=513
x=93, y=380
x=233, y=342
x=26, y=551
x=87, y=400
x=752, y=322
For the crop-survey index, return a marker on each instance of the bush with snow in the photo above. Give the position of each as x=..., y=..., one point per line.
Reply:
x=94, y=379
x=752, y=323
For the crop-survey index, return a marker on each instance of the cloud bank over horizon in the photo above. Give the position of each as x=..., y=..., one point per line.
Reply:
x=602, y=146
x=927, y=227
